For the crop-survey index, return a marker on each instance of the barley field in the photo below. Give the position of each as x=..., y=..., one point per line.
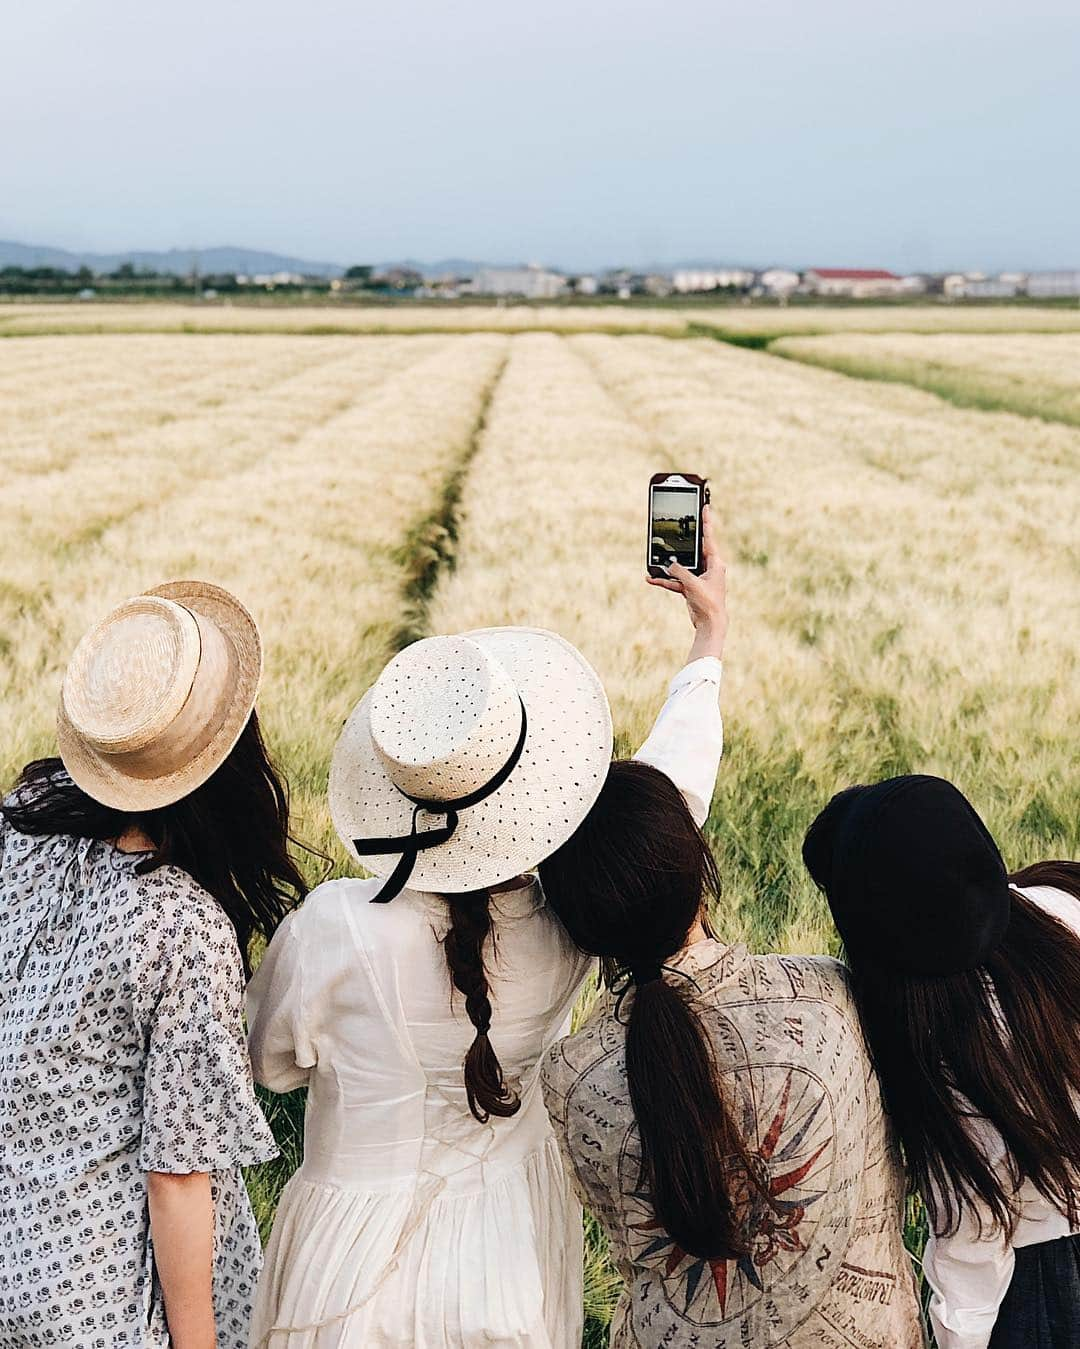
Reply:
x=1036, y=375
x=195, y=317
x=751, y=323
x=904, y=573
x=937, y=317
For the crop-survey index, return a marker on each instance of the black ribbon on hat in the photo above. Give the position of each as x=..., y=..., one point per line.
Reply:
x=410, y=845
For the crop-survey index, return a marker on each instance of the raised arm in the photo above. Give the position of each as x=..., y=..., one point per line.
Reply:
x=688, y=738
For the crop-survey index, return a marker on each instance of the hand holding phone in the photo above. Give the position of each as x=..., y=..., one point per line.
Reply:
x=705, y=594
x=676, y=503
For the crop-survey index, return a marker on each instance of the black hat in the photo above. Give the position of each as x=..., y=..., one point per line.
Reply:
x=912, y=876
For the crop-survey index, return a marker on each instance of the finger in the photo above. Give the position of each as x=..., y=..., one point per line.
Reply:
x=710, y=547
x=665, y=585
x=681, y=574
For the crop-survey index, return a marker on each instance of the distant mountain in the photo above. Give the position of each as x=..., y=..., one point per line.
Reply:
x=178, y=261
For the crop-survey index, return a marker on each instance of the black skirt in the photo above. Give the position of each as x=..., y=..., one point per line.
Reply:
x=1042, y=1307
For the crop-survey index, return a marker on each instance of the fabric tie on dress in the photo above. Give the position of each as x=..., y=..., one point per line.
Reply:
x=71, y=886
x=410, y=845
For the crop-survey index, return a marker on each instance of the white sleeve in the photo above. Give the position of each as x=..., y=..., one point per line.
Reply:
x=688, y=738
x=969, y=1276
x=281, y=1051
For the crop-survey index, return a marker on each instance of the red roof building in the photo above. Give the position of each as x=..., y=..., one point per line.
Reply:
x=857, y=283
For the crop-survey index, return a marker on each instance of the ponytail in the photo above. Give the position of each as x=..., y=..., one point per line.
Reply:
x=689, y=1143
x=629, y=887
x=470, y=927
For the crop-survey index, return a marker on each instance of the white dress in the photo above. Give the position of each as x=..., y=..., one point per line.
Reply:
x=409, y=1222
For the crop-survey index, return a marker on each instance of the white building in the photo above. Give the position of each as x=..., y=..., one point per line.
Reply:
x=587, y=285
x=687, y=281
x=270, y=279
x=532, y=282
x=1044, y=285
x=778, y=281
x=979, y=286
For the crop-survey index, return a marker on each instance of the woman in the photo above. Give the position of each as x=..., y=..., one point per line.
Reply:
x=968, y=981
x=134, y=869
x=431, y=1209
x=718, y=1113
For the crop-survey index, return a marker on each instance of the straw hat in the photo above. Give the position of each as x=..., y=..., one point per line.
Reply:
x=157, y=694
x=471, y=759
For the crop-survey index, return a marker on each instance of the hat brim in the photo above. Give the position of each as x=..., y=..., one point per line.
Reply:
x=562, y=768
x=105, y=780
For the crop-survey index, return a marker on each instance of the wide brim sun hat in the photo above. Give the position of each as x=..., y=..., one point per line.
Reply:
x=470, y=760
x=157, y=694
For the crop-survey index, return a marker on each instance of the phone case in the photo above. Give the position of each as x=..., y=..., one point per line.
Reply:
x=658, y=479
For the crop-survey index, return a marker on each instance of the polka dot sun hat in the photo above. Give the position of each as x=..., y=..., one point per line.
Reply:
x=470, y=760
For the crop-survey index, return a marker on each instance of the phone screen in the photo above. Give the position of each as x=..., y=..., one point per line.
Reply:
x=673, y=522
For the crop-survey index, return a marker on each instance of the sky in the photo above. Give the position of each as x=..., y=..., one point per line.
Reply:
x=578, y=133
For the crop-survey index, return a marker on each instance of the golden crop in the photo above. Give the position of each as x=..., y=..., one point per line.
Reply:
x=902, y=574
x=1035, y=374
x=248, y=317
x=290, y=470
x=931, y=317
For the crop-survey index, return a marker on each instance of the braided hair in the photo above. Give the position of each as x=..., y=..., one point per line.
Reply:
x=470, y=926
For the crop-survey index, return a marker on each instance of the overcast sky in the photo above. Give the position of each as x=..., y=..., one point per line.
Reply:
x=926, y=134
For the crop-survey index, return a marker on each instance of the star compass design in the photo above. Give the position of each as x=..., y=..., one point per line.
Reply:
x=791, y=1165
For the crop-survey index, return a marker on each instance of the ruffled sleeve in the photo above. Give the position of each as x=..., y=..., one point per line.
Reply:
x=199, y=1106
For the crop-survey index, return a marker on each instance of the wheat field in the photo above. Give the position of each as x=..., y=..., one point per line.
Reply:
x=1036, y=375
x=247, y=317
x=904, y=573
x=754, y=323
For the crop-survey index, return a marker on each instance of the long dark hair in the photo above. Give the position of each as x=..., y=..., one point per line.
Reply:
x=1006, y=1038
x=470, y=928
x=629, y=886
x=231, y=834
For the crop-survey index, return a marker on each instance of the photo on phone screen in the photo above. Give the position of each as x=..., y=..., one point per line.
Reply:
x=673, y=521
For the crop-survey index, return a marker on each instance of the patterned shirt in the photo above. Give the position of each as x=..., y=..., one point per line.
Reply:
x=121, y=1052
x=827, y=1266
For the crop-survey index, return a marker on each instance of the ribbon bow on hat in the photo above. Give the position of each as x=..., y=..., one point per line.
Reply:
x=504, y=733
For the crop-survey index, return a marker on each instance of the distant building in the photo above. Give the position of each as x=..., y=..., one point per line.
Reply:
x=401, y=279
x=587, y=285
x=531, y=283
x=687, y=281
x=778, y=281
x=270, y=279
x=979, y=286
x=1045, y=285
x=856, y=283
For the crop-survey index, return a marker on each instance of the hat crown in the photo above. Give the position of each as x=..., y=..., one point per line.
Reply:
x=131, y=674
x=444, y=718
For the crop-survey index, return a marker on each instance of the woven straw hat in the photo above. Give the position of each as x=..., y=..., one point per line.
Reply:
x=492, y=746
x=157, y=694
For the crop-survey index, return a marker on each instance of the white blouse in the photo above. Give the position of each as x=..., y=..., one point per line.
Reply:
x=970, y=1275
x=409, y=1222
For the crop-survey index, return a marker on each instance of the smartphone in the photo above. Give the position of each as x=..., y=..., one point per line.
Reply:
x=676, y=501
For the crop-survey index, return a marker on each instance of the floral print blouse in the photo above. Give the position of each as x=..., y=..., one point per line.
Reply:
x=121, y=1052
